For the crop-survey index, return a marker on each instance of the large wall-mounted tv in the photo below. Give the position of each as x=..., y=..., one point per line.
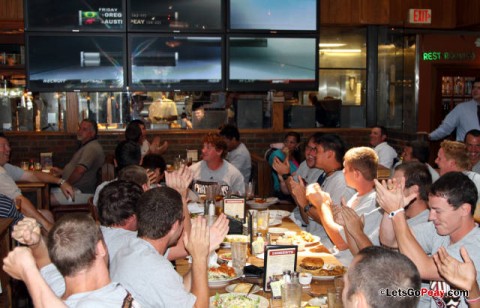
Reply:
x=272, y=15
x=70, y=62
x=262, y=63
x=72, y=15
x=175, y=16
x=181, y=62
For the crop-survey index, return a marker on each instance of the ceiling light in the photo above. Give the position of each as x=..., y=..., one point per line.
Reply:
x=341, y=50
x=331, y=45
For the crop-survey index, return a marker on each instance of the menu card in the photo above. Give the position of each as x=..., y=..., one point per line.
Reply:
x=278, y=259
x=234, y=208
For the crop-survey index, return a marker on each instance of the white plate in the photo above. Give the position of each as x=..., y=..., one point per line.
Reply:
x=221, y=283
x=231, y=287
x=260, y=256
x=279, y=214
x=274, y=222
x=234, y=238
x=261, y=206
x=262, y=304
x=277, y=230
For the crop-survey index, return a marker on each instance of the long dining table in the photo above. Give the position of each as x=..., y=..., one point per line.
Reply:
x=317, y=286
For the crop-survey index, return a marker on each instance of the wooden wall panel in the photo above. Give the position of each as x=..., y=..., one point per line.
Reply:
x=374, y=12
x=468, y=13
x=339, y=12
x=11, y=10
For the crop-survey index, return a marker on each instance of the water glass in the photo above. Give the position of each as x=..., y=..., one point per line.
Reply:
x=249, y=190
x=263, y=218
x=291, y=295
x=239, y=256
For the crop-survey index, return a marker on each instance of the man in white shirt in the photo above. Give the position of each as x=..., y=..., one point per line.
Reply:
x=387, y=155
x=238, y=154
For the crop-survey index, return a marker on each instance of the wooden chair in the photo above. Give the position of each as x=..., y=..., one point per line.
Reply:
x=60, y=210
x=262, y=174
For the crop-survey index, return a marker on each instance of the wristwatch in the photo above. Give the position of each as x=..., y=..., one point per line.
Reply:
x=307, y=208
x=286, y=176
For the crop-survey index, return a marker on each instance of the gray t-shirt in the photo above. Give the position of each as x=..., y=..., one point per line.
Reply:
x=431, y=241
x=240, y=159
x=8, y=187
x=116, y=238
x=112, y=295
x=149, y=276
x=226, y=175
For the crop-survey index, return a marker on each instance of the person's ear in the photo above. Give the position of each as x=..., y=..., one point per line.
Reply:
x=115, y=164
x=465, y=209
x=359, y=300
x=101, y=248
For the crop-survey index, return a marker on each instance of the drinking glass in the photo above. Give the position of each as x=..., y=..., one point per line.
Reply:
x=262, y=221
x=24, y=165
x=239, y=256
x=249, y=190
x=291, y=295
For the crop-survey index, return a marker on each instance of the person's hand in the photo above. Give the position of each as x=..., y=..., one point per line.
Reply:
x=55, y=171
x=281, y=167
x=337, y=213
x=218, y=231
x=27, y=231
x=157, y=147
x=152, y=177
x=462, y=275
x=197, y=242
x=390, y=195
x=19, y=262
x=179, y=179
x=317, y=196
x=352, y=222
x=68, y=190
x=297, y=191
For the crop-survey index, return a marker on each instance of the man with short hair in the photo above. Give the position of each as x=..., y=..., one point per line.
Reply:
x=146, y=146
x=238, y=154
x=141, y=267
x=419, y=151
x=76, y=247
x=214, y=168
x=452, y=200
x=360, y=169
x=472, y=141
x=387, y=156
x=462, y=118
x=81, y=170
x=374, y=269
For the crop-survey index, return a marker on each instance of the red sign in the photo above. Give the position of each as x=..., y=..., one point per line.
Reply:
x=420, y=16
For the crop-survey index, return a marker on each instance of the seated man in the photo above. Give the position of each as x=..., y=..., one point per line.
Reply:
x=140, y=136
x=452, y=201
x=419, y=151
x=81, y=170
x=387, y=156
x=375, y=269
x=8, y=209
x=9, y=174
x=472, y=141
x=76, y=247
x=238, y=154
x=214, y=168
x=141, y=267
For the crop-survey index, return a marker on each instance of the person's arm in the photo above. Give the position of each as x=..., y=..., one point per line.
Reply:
x=156, y=147
x=20, y=264
x=30, y=176
x=76, y=175
x=322, y=202
x=298, y=192
x=197, y=243
x=29, y=210
x=447, y=126
x=27, y=231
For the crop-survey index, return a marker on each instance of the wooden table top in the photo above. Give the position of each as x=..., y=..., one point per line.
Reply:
x=316, y=287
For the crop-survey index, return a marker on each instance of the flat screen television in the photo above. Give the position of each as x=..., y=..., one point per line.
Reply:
x=175, y=16
x=70, y=62
x=181, y=62
x=263, y=63
x=272, y=15
x=72, y=15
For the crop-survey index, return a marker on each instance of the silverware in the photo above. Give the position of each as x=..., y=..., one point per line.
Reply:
x=251, y=288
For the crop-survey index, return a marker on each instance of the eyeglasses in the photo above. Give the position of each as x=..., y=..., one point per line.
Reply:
x=311, y=149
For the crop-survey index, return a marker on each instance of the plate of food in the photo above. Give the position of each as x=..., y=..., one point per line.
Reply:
x=242, y=287
x=262, y=203
x=304, y=239
x=229, y=239
x=319, y=269
x=226, y=256
x=220, y=276
x=238, y=300
x=279, y=214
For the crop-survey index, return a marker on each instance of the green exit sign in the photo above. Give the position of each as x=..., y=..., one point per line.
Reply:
x=448, y=56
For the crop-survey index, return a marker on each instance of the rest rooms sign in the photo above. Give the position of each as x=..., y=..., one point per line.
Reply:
x=448, y=56
x=420, y=16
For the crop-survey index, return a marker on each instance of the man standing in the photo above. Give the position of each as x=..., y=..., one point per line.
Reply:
x=214, y=168
x=472, y=141
x=238, y=154
x=81, y=171
x=463, y=117
x=452, y=200
x=386, y=154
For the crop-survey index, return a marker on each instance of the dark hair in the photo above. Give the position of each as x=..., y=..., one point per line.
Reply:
x=94, y=125
x=157, y=210
x=154, y=161
x=332, y=142
x=473, y=132
x=383, y=130
x=137, y=122
x=420, y=150
x=229, y=131
x=416, y=173
x=133, y=132
x=457, y=188
x=135, y=174
x=379, y=268
x=127, y=153
x=297, y=154
x=117, y=201
x=217, y=142
x=72, y=243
